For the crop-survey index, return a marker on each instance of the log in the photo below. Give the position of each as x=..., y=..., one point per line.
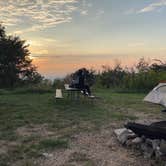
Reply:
x=151, y=131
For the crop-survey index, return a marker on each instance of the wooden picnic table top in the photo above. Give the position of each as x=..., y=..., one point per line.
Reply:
x=72, y=89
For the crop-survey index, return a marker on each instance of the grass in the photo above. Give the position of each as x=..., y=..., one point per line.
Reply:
x=52, y=144
x=63, y=118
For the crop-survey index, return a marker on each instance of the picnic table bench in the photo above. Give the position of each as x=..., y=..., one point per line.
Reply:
x=73, y=94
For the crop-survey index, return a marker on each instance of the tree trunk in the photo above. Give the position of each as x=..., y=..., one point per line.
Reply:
x=152, y=131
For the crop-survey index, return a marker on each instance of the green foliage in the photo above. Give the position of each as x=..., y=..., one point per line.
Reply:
x=141, y=78
x=58, y=84
x=112, y=77
x=2, y=32
x=15, y=63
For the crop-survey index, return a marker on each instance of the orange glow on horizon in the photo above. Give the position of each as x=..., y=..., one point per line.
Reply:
x=58, y=67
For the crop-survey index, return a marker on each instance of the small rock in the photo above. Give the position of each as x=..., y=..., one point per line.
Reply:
x=149, y=142
x=147, y=150
x=163, y=147
x=124, y=134
x=143, y=138
x=155, y=143
x=119, y=131
x=47, y=155
x=158, y=154
x=137, y=140
x=129, y=142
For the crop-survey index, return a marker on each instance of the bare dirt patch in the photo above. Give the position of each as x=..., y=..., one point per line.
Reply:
x=34, y=130
x=98, y=148
x=3, y=149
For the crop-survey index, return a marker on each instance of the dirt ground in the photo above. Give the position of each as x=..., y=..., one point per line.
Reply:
x=92, y=148
x=100, y=148
x=95, y=149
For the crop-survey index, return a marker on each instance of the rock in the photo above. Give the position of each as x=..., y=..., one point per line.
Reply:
x=148, y=153
x=143, y=138
x=163, y=147
x=155, y=144
x=158, y=154
x=47, y=155
x=149, y=142
x=137, y=141
x=147, y=150
x=124, y=134
x=119, y=131
x=129, y=142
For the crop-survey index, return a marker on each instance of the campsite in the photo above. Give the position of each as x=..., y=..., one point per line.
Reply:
x=81, y=119
x=82, y=83
x=35, y=130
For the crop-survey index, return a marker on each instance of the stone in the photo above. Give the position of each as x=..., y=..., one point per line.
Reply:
x=137, y=140
x=149, y=142
x=47, y=155
x=119, y=131
x=147, y=150
x=124, y=134
x=129, y=142
x=163, y=147
x=155, y=143
x=143, y=138
x=158, y=154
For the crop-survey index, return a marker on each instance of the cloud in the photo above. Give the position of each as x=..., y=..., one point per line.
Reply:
x=153, y=6
x=136, y=44
x=41, y=52
x=99, y=14
x=130, y=11
x=84, y=12
x=43, y=46
x=34, y=15
x=85, y=5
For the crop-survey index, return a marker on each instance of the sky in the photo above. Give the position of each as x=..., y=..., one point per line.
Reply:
x=65, y=35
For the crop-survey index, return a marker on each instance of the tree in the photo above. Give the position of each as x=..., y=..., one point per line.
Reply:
x=15, y=63
x=2, y=31
x=112, y=76
x=158, y=66
x=89, y=75
x=143, y=65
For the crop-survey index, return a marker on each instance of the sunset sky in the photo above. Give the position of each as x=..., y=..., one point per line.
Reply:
x=67, y=34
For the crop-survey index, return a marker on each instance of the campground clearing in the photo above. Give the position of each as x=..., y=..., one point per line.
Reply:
x=36, y=130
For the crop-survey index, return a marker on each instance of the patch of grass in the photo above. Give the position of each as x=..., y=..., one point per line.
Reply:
x=8, y=135
x=4, y=92
x=122, y=116
x=4, y=160
x=33, y=89
x=53, y=143
x=90, y=163
x=28, y=163
x=22, y=152
x=29, y=139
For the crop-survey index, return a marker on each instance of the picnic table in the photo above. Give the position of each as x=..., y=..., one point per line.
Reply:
x=72, y=93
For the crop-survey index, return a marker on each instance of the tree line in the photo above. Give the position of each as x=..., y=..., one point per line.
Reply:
x=141, y=77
